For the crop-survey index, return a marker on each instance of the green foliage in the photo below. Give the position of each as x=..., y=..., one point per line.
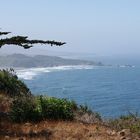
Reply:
x=54, y=108
x=11, y=85
x=24, y=42
x=38, y=108
x=25, y=109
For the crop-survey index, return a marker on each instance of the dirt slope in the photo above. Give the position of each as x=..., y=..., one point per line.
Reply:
x=58, y=130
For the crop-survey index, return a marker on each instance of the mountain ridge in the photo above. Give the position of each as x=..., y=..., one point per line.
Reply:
x=21, y=60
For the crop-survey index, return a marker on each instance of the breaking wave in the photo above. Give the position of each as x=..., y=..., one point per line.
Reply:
x=30, y=73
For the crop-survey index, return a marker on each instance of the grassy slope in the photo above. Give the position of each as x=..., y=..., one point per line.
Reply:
x=53, y=130
x=56, y=130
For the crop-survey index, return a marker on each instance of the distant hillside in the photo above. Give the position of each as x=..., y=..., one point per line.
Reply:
x=20, y=60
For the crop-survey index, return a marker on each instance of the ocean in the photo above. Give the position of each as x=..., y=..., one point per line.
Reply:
x=111, y=91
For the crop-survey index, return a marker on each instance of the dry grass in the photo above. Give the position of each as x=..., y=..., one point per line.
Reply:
x=85, y=128
x=50, y=130
x=130, y=123
x=56, y=130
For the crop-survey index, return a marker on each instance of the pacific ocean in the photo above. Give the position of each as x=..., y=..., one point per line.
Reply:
x=111, y=91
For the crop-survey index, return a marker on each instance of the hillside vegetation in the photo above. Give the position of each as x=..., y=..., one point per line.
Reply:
x=27, y=117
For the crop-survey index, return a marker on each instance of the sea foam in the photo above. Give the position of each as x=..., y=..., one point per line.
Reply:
x=30, y=73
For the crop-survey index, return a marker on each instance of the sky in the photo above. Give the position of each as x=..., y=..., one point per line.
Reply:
x=98, y=27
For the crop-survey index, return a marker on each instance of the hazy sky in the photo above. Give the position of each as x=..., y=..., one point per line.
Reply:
x=101, y=27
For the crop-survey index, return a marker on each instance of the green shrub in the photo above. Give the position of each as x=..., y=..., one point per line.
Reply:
x=25, y=109
x=54, y=108
x=11, y=85
x=36, y=109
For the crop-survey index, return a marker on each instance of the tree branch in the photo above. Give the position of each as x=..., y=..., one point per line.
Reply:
x=24, y=42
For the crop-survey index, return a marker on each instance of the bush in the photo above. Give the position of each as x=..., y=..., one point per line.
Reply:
x=25, y=109
x=35, y=109
x=11, y=85
x=54, y=108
